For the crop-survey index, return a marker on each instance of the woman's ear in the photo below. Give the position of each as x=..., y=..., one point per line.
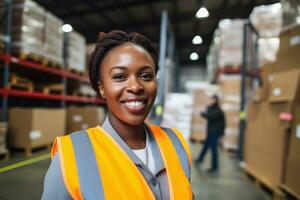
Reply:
x=101, y=90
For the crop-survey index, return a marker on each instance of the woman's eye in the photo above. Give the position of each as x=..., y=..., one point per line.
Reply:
x=119, y=77
x=147, y=76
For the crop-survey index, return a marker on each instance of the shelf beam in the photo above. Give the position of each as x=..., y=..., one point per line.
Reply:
x=40, y=67
x=53, y=97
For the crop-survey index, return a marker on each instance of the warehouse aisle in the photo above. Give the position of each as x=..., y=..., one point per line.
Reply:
x=230, y=184
x=26, y=183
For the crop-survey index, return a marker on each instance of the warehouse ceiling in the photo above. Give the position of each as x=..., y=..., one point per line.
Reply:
x=91, y=16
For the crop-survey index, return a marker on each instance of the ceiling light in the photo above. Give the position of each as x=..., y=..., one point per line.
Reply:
x=194, y=56
x=67, y=28
x=197, y=39
x=202, y=13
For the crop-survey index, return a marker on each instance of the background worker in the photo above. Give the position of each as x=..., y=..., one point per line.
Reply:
x=215, y=130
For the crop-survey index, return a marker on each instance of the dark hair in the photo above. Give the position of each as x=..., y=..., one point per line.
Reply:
x=215, y=97
x=107, y=42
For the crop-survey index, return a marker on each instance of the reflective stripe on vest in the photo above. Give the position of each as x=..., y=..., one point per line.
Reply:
x=179, y=185
x=98, y=168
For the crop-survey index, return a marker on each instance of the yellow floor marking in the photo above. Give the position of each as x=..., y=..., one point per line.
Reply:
x=25, y=162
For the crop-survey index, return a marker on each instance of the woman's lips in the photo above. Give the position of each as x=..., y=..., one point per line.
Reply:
x=135, y=106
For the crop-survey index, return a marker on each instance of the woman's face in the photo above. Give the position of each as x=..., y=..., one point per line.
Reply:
x=128, y=83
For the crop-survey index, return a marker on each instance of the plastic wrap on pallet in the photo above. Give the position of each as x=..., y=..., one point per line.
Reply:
x=267, y=19
x=267, y=50
x=53, y=43
x=27, y=27
x=212, y=57
x=231, y=42
x=178, y=112
x=291, y=13
x=76, y=52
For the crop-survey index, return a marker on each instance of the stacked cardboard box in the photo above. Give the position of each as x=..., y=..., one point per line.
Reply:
x=267, y=20
x=28, y=27
x=199, y=124
x=178, y=112
x=53, y=41
x=272, y=135
x=34, y=127
x=231, y=42
x=288, y=66
x=288, y=55
x=3, y=130
x=81, y=118
x=230, y=86
x=75, y=52
x=292, y=175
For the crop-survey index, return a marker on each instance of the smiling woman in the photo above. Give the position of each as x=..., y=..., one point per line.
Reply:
x=124, y=158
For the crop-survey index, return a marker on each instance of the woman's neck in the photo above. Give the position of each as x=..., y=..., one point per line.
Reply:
x=133, y=136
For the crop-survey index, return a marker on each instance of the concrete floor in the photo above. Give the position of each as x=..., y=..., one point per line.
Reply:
x=26, y=183
x=230, y=184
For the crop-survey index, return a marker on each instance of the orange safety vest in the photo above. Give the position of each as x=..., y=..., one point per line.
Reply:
x=118, y=178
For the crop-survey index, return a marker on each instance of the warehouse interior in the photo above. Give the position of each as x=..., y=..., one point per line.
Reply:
x=244, y=51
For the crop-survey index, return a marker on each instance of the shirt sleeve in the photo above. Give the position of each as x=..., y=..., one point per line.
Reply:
x=54, y=187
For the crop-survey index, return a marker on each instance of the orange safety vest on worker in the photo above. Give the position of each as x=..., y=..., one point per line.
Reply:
x=118, y=176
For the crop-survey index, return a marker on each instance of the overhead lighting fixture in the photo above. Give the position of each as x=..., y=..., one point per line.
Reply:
x=194, y=56
x=202, y=13
x=197, y=40
x=67, y=28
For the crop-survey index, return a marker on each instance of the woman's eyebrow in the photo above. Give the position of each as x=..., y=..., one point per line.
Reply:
x=146, y=67
x=118, y=67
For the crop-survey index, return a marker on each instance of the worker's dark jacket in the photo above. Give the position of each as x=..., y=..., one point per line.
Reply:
x=215, y=118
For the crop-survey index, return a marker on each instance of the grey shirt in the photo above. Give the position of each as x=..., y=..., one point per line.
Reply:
x=54, y=187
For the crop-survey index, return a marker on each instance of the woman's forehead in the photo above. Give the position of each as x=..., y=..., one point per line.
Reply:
x=127, y=54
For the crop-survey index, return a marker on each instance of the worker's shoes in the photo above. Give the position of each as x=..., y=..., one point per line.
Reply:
x=213, y=172
x=197, y=161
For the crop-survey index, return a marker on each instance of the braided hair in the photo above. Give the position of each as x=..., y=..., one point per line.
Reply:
x=108, y=41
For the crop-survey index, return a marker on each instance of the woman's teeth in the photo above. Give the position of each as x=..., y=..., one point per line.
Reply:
x=134, y=103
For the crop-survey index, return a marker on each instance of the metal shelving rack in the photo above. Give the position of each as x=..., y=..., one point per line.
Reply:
x=250, y=69
x=7, y=59
x=7, y=40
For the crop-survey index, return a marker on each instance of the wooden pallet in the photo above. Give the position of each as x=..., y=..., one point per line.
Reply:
x=263, y=185
x=50, y=63
x=82, y=94
x=31, y=57
x=2, y=47
x=229, y=149
x=29, y=151
x=4, y=156
x=20, y=83
x=54, y=89
x=289, y=193
x=75, y=71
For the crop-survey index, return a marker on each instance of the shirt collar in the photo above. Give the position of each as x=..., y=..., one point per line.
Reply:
x=159, y=164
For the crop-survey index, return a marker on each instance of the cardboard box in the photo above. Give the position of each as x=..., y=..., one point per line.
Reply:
x=3, y=131
x=34, y=127
x=81, y=118
x=199, y=124
x=231, y=138
x=292, y=175
x=266, y=140
x=285, y=86
x=230, y=85
x=267, y=72
x=289, y=50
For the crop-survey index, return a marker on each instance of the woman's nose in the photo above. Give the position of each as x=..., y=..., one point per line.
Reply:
x=134, y=85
